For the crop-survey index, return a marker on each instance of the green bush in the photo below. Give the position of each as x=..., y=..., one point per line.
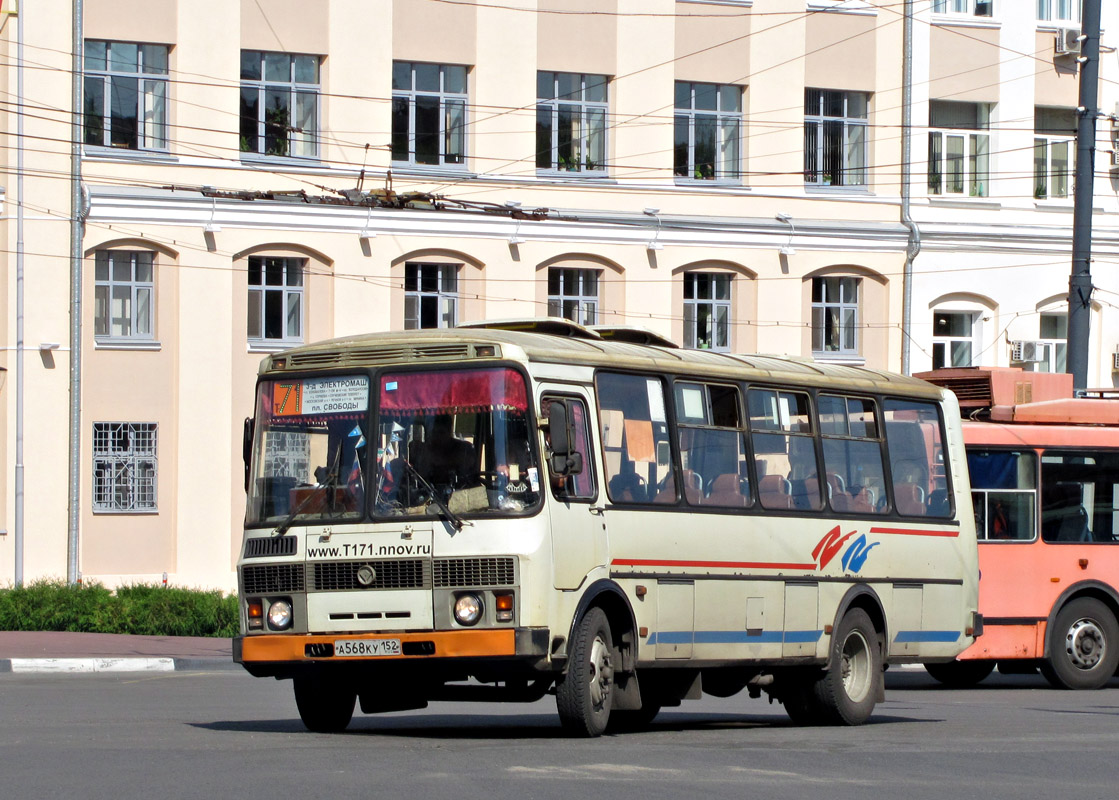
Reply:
x=52, y=605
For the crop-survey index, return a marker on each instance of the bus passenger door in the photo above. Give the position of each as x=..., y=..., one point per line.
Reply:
x=578, y=528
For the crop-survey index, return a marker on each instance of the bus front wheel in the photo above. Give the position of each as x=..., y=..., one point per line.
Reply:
x=1083, y=646
x=324, y=707
x=584, y=695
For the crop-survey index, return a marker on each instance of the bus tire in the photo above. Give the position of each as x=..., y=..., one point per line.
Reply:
x=585, y=693
x=1083, y=646
x=847, y=691
x=324, y=707
x=961, y=674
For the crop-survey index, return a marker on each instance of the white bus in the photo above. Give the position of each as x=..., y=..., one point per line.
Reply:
x=495, y=511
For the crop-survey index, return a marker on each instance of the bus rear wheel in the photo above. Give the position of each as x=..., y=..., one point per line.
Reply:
x=848, y=689
x=584, y=695
x=961, y=674
x=324, y=707
x=1083, y=646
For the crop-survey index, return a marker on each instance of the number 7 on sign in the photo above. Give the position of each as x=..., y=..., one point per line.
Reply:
x=287, y=399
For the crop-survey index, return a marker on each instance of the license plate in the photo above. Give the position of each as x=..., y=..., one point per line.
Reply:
x=366, y=647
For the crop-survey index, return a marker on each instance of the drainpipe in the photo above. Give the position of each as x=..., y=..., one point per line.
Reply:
x=913, y=246
x=77, y=208
x=18, y=510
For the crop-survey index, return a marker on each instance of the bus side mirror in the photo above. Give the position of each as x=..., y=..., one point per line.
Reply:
x=247, y=448
x=565, y=461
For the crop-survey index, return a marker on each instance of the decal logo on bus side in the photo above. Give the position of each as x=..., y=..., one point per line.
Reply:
x=853, y=559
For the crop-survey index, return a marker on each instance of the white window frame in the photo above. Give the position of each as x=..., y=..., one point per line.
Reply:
x=109, y=304
x=1055, y=348
x=725, y=118
x=291, y=293
x=444, y=294
x=573, y=294
x=851, y=142
x=152, y=94
x=125, y=467
x=969, y=8
x=1061, y=12
x=1051, y=183
x=588, y=122
x=299, y=142
x=843, y=309
x=707, y=312
x=946, y=344
x=406, y=95
x=970, y=167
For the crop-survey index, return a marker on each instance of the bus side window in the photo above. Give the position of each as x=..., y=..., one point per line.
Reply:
x=634, y=428
x=784, y=450
x=914, y=443
x=580, y=484
x=1004, y=493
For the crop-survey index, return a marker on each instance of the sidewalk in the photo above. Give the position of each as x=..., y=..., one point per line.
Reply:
x=46, y=651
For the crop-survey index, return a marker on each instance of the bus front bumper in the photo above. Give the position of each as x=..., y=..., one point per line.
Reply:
x=520, y=643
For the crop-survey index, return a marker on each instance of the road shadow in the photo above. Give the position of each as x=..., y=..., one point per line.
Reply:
x=921, y=681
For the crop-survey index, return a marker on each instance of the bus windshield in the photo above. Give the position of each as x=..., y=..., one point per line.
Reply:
x=310, y=450
x=460, y=437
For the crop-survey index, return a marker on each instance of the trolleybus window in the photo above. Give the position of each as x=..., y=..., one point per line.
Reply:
x=1080, y=497
x=1004, y=493
x=712, y=446
x=635, y=437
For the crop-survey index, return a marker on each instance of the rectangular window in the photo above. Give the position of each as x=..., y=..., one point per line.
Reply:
x=579, y=485
x=124, y=97
x=953, y=338
x=713, y=453
x=279, y=104
x=973, y=8
x=707, y=311
x=123, y=295
x=428, y=114
x=124, y=466
x=708, y=132
x=430, y=296
x=573, y=294
x=918, y=470
x=634, y=429
x=835, y=316
x=1053, y=329
x=959, y=156
x=571, y=122
x=784, y=450
x=1004, y=493
x=275, y=314
x=1054, y=151
x=835, y=137
x=1080, y=497
x=854, y=473
x=1058, y=10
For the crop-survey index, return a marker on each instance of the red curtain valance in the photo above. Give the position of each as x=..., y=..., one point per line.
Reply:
x=453, y=392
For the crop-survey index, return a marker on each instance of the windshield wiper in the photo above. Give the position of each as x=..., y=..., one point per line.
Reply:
x=456, y=521
x=331, y=483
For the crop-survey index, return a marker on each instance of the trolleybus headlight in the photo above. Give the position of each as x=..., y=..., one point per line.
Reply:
x=468, y=609
x=279, y=615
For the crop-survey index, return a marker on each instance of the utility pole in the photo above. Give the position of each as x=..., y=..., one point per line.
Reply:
x=1080, y=281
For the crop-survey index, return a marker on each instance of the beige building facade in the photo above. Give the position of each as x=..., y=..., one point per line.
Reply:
x=726, y=173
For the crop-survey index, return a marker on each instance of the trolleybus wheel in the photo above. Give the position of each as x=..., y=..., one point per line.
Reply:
x=324, y=707
x=961, y=674
x=848, y=689
x=1083, y=646
x=585, y=694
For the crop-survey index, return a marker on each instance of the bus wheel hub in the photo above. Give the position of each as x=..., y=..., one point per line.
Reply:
x=1085, y=644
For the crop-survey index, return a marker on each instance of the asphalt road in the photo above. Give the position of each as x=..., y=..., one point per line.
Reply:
x=226, y=734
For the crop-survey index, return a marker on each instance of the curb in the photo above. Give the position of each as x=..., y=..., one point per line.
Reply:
x=70, y=666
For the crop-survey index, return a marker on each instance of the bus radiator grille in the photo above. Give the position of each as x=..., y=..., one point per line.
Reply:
x=272, y=578
x=475, y=572
x=270, y=546
x=332, y=576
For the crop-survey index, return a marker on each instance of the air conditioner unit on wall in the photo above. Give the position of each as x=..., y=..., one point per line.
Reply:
x=1026, y=352
x=1068, y=42
x=1115, y=362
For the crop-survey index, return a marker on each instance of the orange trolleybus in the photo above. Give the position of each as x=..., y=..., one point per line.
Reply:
x=1044, y=471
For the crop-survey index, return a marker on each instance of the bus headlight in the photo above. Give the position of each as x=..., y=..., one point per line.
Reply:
x=279, y=615
x=468, y=609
